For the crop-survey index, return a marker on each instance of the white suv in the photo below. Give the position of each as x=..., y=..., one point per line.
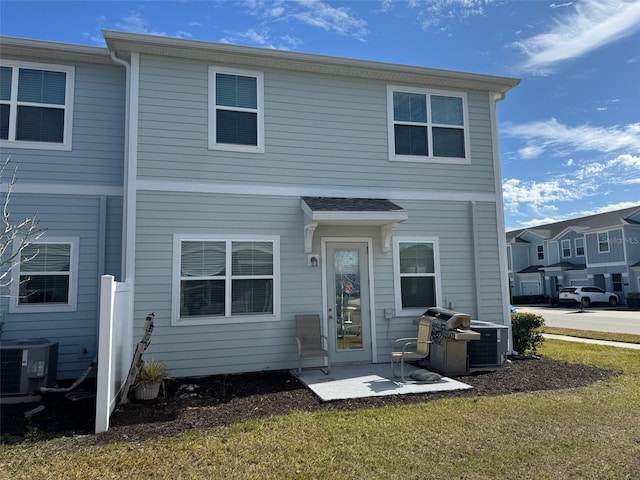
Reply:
x=587, y=295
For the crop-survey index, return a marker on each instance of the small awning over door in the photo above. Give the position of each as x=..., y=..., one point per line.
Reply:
x=351, y=211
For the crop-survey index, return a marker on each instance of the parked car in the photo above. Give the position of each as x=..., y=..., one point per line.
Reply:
x=587, y=295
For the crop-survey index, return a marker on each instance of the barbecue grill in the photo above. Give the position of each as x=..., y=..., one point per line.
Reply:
x=450, y=333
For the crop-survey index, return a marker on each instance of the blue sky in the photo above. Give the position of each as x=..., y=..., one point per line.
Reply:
x=569, y=133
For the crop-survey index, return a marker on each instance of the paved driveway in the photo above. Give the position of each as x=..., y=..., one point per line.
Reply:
x=598, y=319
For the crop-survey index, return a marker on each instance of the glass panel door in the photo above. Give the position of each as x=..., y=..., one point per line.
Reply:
x=348, y=302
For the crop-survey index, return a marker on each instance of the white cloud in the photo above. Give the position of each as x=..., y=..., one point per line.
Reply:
x=626, y=161
x=433, y=12
x=316, y=13
x=576, y=181
x=262, y=38
x=336, y=19
x=551, y=135
x=590, y=25
x=541, y=195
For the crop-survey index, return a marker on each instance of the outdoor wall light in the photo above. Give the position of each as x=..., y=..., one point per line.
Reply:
x=313, y=260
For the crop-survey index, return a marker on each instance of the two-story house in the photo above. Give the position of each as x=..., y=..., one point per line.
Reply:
x=254, y=185
x=601, y=250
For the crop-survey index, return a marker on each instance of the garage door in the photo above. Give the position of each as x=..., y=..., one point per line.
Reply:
x=530, y=288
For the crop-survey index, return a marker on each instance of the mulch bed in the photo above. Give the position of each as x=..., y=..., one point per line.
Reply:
x=221, y=400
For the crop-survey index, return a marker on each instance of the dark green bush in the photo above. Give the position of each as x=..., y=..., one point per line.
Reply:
x=633, y=301
x=526, y=328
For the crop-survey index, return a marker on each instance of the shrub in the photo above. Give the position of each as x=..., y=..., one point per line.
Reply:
x=633, y=301
x=526, y=328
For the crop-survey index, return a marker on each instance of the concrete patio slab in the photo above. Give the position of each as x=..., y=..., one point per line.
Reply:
x=373, y=380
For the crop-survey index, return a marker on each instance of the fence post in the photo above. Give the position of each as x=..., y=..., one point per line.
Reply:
x=104, y=379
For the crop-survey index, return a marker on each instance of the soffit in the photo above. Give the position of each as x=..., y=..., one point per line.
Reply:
x=303, y=62
x=21, y=47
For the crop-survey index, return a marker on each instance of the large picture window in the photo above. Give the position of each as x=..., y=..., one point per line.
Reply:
x=45, y=279
x=417, y=277
x=427, y=125
x=235, y=110
x=226, y=279
x=36, y=105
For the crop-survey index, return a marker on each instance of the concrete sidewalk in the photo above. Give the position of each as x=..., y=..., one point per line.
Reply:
x=634, y=346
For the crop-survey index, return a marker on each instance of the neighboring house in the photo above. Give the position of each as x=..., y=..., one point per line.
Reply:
x=260, y=184
x=601, y=250
x=62, y=121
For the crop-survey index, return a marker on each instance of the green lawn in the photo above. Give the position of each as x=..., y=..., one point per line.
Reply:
x=610, y=336
x=591, y=432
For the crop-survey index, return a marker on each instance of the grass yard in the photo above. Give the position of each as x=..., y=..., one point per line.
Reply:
x=609, y=336
x=585, y=433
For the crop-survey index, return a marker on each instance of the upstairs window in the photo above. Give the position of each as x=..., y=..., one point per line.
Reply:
x=235, y=110
x=540, y=250
x=603, y=242
x=566, y=248
x=427, y=125
x=46, y=278
x=36, y=105
x=579, y=247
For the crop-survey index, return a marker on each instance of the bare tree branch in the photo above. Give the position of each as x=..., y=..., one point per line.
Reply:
x=14, y=237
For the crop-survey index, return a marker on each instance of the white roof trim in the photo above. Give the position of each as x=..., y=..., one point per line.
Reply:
x=25, y=47
x=303, y=62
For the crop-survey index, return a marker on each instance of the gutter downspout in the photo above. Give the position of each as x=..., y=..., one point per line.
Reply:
x=125, y=199
x=502, y=236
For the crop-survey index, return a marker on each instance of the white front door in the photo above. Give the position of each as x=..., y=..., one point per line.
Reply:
x=349, y=321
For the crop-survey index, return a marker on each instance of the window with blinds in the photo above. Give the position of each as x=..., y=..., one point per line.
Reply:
x=35, y=105
x=427, y=125
x=416, y=272
x=227, y=278
x=235, y=110
x=46, y=277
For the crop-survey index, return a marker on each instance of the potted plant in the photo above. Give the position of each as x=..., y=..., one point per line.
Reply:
x=151, y=377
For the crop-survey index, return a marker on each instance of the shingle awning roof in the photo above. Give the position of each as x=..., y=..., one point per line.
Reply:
x=566, y=266
x=351, y=211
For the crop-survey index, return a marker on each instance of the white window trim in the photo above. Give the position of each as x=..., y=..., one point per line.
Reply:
x=584, y=250
x=538, y=252
x=176, y=320
x=68, y=107
x=430, y=158
x=562, y=248
x=213, y=145
x=396, y=274
x=608, y=250
x=72, y=305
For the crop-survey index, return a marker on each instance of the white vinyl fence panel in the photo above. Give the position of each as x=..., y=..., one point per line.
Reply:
x=115, y=346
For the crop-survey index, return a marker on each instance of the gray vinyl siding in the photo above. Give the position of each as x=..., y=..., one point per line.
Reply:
x=315, y=126
x=207, y=349
x=572, y=237
x=69, y=216
x=113, y=237
x=632, y=244
x=616, y=248
x=96, y=157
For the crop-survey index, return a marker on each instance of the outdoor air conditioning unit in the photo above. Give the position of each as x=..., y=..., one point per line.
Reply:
x=26, y=365
x=491, y=349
